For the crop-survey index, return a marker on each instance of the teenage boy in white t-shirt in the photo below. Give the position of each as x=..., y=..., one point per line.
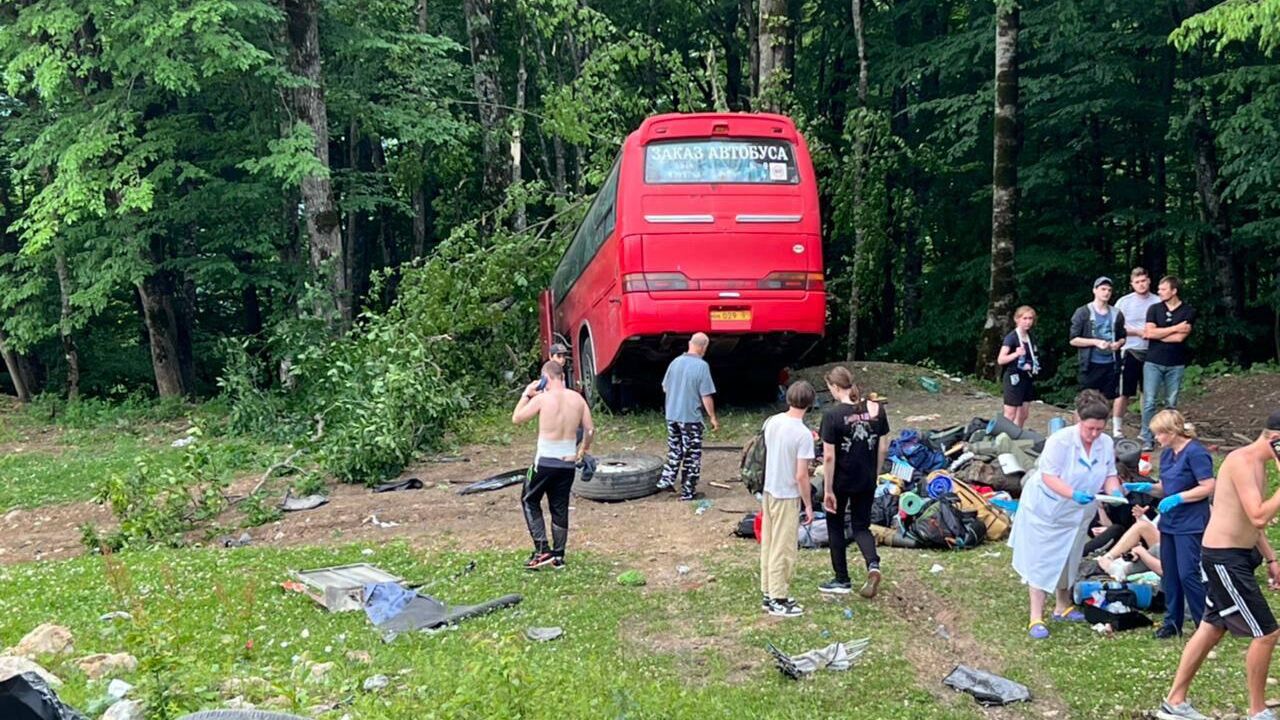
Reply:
x=788, y=450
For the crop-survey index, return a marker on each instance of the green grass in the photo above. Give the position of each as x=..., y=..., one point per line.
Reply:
x=63, y=465
x=627, y=652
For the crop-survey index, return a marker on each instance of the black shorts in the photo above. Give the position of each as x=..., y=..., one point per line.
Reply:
x=1131, y=374
x=1018, y=388
x=1101, y=377
x=1233, y=599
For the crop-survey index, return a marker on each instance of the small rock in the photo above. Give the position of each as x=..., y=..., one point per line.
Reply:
x=1213, y=654
x=47, y=639
x=118, y=688
x=376, y=682
x=316, y=672
x=942, y=632
x=366, y=552
x=278, y=701
x=1271, y=681
x=11, y=665
x=359, y=656
x=96, y=666
x=936, y=568
x=117, y=615
x=682, y=570
x=711, y=578
x=238, y=703
x=124, y=710
x=245, y=686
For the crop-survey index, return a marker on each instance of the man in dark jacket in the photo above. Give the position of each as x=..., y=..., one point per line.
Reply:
x=1097, y=333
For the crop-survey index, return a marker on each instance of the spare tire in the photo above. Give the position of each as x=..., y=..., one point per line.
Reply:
x=621, y=477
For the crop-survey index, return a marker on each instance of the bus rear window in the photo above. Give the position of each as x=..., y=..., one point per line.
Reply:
x=720, y=161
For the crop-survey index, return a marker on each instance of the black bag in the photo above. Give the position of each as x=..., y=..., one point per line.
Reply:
x=746, y=526
x=884, y=509
x=942, y=524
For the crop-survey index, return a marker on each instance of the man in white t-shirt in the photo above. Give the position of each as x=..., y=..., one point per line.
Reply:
x=1134, y=353
x=788, y=450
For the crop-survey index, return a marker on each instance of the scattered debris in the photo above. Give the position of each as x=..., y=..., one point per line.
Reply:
x=941, y=632
x=543, y=634
x=632, y=578
x=341, y=588
x=309, y=502
x=923, y=418
x=720, y=485
x=117, y=615
x=228, y=541
x=183, y=441
x=373, y=520
x=930, y=385
x=986, y=688
x=836, y=656
x=496, y=482
x=426, y=613
x=33, y=699
x=936, y=569
x=702, y=506
x=46, y=639
x=682, y=570
x=409, y=484
x=376, y=682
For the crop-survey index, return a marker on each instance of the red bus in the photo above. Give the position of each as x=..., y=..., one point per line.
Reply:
x=706, y=222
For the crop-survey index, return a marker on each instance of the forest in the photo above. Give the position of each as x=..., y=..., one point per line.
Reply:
x=328, y=210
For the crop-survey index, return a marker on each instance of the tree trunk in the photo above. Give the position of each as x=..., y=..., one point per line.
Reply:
x=307, y=102
x=161, y=316
x=747, y=16
x=1004, y=191
x=859, y=181
x=775, y=48
x=485, y=77
x=1215, y=240
x=69, y=350
x=519, y=220
x=351, y=243
x=18, y=373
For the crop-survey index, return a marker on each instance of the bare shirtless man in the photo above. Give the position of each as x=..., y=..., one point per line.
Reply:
x=560, y=413
x=1234, y=546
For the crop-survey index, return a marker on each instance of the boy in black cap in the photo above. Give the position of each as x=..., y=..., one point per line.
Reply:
x=1097, y=333
x=1234, y=546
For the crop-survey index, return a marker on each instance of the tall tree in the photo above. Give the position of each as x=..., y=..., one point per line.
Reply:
x=485, y=69
x=308, y=106
x=859, y=182
x=775, y=41
x=1004, y=190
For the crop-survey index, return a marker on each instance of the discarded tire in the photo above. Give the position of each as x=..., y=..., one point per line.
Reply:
x=621, y=477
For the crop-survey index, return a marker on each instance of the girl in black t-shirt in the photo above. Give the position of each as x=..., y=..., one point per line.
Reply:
x=1021, y=363
x=854, y=442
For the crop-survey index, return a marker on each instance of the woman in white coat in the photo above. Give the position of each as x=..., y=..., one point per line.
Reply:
x=1058, y=502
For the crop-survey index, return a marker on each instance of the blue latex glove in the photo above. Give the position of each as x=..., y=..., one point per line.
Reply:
x=1169, y=503
x=1116, y=493
x=1082, y=497
x=1139, y=487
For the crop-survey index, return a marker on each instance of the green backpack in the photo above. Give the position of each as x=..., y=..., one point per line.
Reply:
x=751, y=466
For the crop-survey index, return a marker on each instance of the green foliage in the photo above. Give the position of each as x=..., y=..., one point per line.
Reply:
x=158, y=505
x=259, y=509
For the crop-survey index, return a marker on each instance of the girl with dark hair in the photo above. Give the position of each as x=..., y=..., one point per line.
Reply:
x=854, y=443
x=1059, y=500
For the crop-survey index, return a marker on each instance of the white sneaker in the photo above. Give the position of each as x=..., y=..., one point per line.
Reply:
x=1266, y=714
x=785, y=608
x=1181, y=711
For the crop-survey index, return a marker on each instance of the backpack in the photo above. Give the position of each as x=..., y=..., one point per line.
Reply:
x=909, y=447
x=994, y=520
x=751, y=466
x=942, y=524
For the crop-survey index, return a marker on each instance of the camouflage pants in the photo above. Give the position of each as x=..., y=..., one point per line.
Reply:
x=684, y=450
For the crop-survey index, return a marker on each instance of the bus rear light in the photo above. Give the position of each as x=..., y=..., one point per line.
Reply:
x=656, y=282
x=792, y=281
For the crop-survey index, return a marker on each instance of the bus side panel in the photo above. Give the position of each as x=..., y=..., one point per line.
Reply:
x=594, y=304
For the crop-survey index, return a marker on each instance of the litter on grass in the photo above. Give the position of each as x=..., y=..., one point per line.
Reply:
x=987, y=688
x=836, y=657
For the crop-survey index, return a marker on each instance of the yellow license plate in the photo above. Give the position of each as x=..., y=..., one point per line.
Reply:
x=730, y=315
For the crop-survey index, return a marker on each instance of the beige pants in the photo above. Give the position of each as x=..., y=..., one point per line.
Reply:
x=778, y=544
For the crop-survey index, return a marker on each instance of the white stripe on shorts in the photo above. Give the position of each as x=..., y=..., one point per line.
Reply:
x=1225, y=577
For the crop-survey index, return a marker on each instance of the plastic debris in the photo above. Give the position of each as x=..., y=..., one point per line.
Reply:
x=183, y=442
x=702, y=506
x=836, y=656
x=543, y=634
x=936, y=569
x=986, y=688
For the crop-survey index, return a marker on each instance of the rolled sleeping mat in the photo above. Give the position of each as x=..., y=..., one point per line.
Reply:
x=1002, y=424
x=939, y=484
x=911, y=503
x=1128, y=453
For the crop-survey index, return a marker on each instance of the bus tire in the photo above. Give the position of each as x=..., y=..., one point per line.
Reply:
x=596, y=388
x=621, y=477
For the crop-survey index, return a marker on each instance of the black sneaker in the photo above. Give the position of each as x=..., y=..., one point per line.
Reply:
x=785, y=608
x=664, y=485
x=557, y=563
x=764, y=603
x=872, y=585
x=1167, y=631
x=836, y=587
x=688, y=497
x=538, y=560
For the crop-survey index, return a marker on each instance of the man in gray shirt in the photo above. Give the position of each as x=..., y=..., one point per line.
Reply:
x=1133, y=355
x=688, y=388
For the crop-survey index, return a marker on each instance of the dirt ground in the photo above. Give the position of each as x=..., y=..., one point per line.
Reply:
x=1232, y=406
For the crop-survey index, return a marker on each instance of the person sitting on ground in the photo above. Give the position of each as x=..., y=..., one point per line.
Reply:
x=1139, y=544
x=1057, y=506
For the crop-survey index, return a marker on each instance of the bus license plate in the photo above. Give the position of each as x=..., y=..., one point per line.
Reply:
x=730, y=315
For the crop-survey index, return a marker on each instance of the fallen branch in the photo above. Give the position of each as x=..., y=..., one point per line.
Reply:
x=288, y=463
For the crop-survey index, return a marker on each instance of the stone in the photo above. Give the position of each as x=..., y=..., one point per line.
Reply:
x=47, y=639
x=238, y=703
x=117, y=615
x=124, y=710
x=359, y=656
x=101, y=664
x=376, y=682
x=316, y=672
x=245, y=686
x=11, y=665
x=118, y=689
